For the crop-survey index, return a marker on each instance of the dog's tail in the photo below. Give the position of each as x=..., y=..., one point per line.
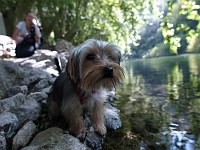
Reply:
x=58, y=64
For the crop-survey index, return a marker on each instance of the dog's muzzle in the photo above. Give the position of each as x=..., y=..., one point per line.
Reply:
x=108, y=72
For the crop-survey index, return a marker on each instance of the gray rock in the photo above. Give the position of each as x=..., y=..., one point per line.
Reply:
x=94, y=140
x=11, y=74
x=46, y=90
x=112, y=118
x=12, y=102
x=30, y=110
x=55, y=139
x=47, y=136
x=41, y=64
x=38, y=96
x=8, y=124
x=24, y=135
x=2, y=142
x=44, y=54
x=41, y=85
x=31, y=148
x=30, y=80
x=36, y=74
x=63, y=45
x=33, y=76
x=17, y=89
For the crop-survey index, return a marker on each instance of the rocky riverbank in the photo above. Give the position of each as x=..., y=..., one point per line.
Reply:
x=24, y=125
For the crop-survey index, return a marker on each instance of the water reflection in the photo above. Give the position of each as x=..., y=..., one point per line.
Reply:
x=160, y=105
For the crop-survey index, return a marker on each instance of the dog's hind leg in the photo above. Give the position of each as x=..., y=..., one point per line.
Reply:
x=52, y=108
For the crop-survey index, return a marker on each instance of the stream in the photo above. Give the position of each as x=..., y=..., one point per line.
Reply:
x=159, y=105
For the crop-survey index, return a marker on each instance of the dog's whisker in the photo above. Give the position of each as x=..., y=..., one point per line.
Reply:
x=114, y=83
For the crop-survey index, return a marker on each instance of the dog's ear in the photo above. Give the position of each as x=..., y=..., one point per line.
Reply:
x=118, y=52
x=72, y=67
x=119, y=58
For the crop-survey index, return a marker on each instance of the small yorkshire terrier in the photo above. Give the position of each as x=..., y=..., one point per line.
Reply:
x=92, y=70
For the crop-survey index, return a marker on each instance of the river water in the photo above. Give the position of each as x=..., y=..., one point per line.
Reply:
x=159, y=105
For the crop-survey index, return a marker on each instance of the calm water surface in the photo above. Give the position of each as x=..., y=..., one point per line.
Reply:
x=159, y=104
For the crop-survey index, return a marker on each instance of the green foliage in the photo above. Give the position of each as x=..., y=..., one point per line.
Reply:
x=7, y=4
x=78, y=20
x=160, y=49
x=180, y=25
x=117, y=21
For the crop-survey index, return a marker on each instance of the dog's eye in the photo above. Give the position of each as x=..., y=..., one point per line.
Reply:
x=90, y=57
x=111, y=58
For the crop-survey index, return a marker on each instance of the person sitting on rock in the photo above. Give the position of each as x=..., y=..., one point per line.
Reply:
x=27, y=36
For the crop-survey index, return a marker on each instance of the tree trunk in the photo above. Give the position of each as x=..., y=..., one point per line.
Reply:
x=16, y=14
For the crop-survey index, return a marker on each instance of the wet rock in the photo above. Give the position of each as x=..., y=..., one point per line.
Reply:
x=24, y=135
x=112, y=118
x=2, y=142
x=8, y=124
x=54, y=138
x=112, y=122
x=12, y=102
x=94, y=140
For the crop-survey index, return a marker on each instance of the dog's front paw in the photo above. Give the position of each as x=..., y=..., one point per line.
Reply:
x=82, y=133
x=100, y=128
x=78, y=132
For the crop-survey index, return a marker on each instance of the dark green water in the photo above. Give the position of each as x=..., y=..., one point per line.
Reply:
x=160, y=105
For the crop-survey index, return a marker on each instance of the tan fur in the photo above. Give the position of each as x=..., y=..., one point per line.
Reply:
x=92, y=70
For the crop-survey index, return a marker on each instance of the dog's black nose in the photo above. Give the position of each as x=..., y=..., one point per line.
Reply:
x=108, y=72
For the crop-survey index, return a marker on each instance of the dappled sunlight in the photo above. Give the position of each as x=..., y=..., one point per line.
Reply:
x=193, y=43
x=174, y=80
x=42, y=59
x=194, y=65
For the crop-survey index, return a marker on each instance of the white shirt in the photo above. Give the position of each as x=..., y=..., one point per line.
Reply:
x=22, y=27
x=23, y=30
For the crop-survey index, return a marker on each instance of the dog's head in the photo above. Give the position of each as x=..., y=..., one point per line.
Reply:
x=95, y=64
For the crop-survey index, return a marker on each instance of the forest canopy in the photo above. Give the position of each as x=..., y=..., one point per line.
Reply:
x=142, y=28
